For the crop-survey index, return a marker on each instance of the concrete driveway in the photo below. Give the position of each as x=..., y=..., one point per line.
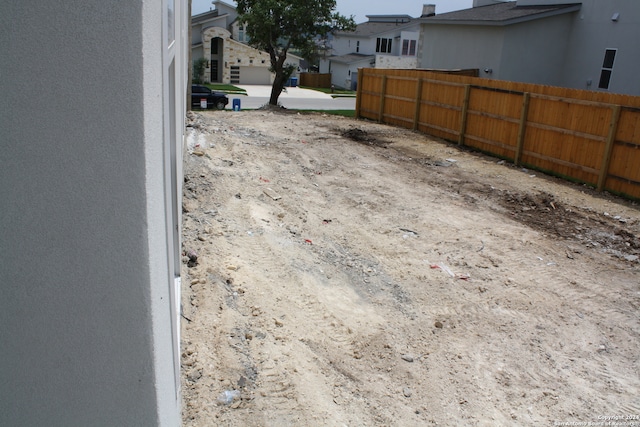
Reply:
x=293, y=98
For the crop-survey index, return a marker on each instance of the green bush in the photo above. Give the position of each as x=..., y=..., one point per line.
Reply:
x=198, y=69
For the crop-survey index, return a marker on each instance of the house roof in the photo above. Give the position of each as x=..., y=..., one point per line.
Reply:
x=506, y=13
x=206, y=16
x=352, y=58
x=389, y=18
x=369, y=29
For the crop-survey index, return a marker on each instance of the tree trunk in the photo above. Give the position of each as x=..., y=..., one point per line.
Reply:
x=277, y=87
x=277, y=63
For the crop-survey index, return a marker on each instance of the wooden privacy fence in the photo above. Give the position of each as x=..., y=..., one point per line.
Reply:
x=586, y=136
x=315, y=80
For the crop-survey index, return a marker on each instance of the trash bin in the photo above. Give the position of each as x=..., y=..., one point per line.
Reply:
x=236, y=104
x=294, y=81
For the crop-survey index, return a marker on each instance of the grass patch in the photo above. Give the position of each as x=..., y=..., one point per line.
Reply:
x=344, y=113
x=336, y=91
x=226, y=88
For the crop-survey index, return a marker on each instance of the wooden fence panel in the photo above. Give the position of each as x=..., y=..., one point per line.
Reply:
x=624, y=168
x=566, y=138
x=586, y=136
x=369, y=95
x=399, y=107
x=315, y=80
x=440, y=109
x=493, y=121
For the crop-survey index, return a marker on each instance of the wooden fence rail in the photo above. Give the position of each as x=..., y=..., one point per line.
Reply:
x=585, y=136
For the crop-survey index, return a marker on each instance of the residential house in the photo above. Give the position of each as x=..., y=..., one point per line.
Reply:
x=219, y=37
x=384, y=41
x=588, y=44
x=90, y=183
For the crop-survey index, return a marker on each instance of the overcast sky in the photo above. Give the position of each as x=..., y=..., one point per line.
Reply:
x=360, y=8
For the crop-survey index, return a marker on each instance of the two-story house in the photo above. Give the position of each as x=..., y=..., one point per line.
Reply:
x=587, y=44
x=221, y=39
x=384, y=41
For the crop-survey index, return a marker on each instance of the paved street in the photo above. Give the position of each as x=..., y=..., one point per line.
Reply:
x=292, y=98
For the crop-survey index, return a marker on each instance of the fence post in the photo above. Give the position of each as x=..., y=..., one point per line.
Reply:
x=359, y=92
x=416, y=117
x=463, y=119
x=608, y=149
x=522, y=129
x=382, y=98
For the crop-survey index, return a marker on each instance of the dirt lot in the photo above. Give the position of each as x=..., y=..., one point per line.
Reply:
x=354, y=274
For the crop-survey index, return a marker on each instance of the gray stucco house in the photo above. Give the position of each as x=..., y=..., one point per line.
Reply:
x=384, y=41
x=90, y=184
x=588, y=44
x=220, y=38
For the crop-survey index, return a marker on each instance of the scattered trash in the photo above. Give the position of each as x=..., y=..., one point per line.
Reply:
x=447, y=270
x=228, y=396
x=407, y=358
x=264, y=179
x=406, y=230
x=444, y=268
x=269, y=192
x=307, y=241
x=326, y=221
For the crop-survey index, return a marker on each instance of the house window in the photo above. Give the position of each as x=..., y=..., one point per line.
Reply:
x=409, y=47
x=358, y=46
x=383, y=45
x=607, y=68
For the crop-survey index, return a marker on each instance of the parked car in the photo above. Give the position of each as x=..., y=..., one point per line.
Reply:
x=217, y=100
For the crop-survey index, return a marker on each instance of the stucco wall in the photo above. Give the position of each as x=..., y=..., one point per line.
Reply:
x=565, y=50
x=593, y=31
x=87, y=280
x=546, y=44
x=454, y=47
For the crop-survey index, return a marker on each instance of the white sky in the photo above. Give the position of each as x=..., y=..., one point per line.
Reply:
x=361, y=8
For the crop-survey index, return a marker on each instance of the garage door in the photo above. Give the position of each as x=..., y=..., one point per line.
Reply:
x=255, y=76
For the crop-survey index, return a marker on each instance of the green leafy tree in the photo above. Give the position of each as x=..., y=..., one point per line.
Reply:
x=198, y=69
x=275, y=26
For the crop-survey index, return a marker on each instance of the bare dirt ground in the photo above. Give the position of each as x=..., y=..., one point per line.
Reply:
x=355, y=274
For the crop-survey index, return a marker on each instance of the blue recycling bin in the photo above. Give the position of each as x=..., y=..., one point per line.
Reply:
x=294, y=81
x=236, y=104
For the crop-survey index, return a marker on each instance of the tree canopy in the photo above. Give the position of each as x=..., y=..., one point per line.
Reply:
x=275, y=26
